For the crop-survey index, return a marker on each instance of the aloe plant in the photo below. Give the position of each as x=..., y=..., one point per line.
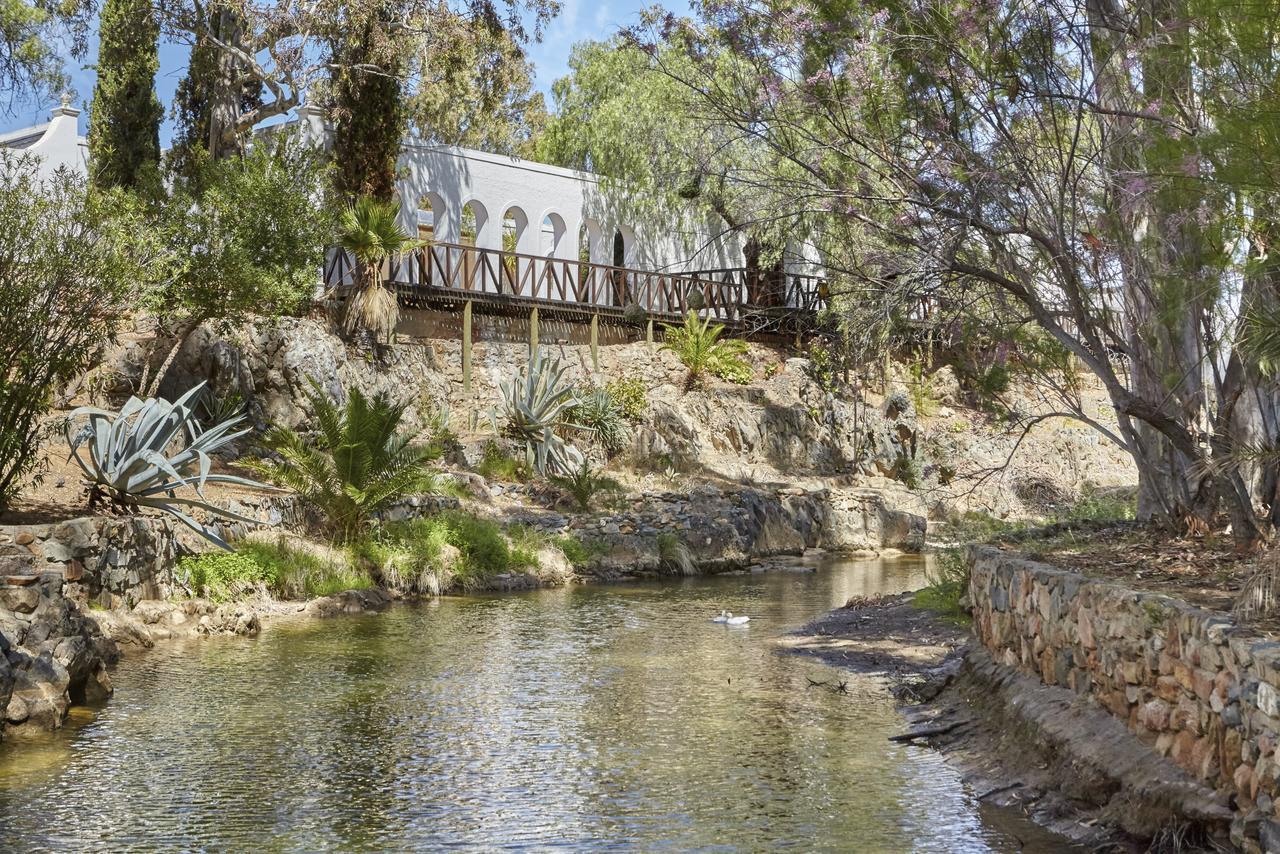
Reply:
x=534, y=406
x=143, y=454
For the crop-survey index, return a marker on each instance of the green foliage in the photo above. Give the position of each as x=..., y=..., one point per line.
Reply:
x=630, y=396
x=920, y=386
x=124, y=119
x=295, y=573
x=70, y=261
x=31, y=33
x=907, y=469
x=370, y=230
x=413, y=555
x=246, y=238
x=585, y=483
x=358, y=462
x=369, y=119
x=497, y=465
x=535, y=408
x=989, y=383
x=579, y=552
x=699, y=347
x=222, y=576
x=137, y=457
x=675, y=555
x=948, y=584
x=596, y=412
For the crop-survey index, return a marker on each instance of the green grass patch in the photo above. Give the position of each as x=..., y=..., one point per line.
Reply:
x=948, y=583
x=293, y=573
x=497, y=465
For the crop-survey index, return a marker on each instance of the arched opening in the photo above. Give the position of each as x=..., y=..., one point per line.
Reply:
x=471, y=230
x=621, y=291
x=514, y=225
x=431, y=215
x=553, y=229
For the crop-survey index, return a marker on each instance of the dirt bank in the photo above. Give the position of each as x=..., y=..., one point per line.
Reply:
x=1041, y=751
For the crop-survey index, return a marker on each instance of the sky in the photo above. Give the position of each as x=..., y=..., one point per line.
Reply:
x=579, y=20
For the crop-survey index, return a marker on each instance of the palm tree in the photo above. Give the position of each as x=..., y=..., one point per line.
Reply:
x=370, y=230
x=698, y=345
x=358, y=463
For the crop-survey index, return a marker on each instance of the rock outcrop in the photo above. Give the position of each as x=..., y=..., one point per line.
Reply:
x=51, y=654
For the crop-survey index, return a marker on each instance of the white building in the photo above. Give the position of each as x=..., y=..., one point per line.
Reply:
x=504, y=228
x=57, y=142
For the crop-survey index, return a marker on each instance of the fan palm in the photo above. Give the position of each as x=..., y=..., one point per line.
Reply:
x=698, y=345
x=370, y=230
x=357, y=464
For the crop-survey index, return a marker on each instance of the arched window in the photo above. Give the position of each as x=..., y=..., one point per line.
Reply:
x=514, y=222
x=431, y=213
x=473, y=217
x=553, y=229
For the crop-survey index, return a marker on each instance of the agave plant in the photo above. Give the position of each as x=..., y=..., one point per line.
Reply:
x=597, y=412
x=370, y=230
x=137, y=457
x=358, y=463
x=534, y=406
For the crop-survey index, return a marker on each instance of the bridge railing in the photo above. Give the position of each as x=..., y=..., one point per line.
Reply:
x=495, y=275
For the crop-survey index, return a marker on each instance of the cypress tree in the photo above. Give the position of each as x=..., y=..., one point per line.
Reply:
x=369, y=120
x=124, y=118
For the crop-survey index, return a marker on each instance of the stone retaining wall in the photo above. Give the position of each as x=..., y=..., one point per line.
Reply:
x=112, y=560
x=1190, y=683
x=732, y=527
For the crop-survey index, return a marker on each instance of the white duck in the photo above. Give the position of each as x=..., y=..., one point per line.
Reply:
x=735, y=621
x=722, y=617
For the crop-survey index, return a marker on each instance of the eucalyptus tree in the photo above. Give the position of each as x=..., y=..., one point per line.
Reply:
x=1045, y=159
x=34, y=36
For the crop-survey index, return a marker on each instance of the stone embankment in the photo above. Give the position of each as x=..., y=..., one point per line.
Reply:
x=1189, y=684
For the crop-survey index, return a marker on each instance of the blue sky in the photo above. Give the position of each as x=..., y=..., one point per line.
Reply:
x=579, y=20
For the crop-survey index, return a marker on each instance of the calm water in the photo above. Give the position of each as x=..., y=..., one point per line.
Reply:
x=586, y=718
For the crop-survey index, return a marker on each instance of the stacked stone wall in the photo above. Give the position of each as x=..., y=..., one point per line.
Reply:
x=1190, y=683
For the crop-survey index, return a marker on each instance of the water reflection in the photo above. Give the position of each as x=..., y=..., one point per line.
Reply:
x=584, y=718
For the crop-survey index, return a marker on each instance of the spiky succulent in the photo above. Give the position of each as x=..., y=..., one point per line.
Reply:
x=600, y=415
x=143, y=454
x=536, y=404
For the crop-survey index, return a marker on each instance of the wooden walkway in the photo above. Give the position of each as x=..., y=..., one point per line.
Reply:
x=445, y=275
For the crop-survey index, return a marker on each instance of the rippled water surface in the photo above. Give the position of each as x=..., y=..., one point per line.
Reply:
x=585, y=718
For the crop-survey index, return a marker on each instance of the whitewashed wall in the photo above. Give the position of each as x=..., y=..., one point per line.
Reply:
x=57, y=143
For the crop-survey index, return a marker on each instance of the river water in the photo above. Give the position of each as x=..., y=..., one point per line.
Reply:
x=583, y=718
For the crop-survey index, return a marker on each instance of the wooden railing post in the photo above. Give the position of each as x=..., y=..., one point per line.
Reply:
x=533, y=330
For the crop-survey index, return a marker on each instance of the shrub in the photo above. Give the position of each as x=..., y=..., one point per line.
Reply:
x=675, y=555
x=358, y=464
x=496, y=465
x=413, y=555
x=137, y=457
x=948, y=583
x=698, y=346
x=69, y=261
x=578, y=552
x=597, y=413
x=294, y=573
x=629, y=396
x=535, y=408
x=220, y=576
x=585, y=483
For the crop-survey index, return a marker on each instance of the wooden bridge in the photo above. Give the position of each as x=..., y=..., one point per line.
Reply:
x=445, y=275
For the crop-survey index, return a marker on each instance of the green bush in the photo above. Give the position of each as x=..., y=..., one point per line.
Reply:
x=500, y=466
x=630, y=397
x=602, y=419
x=585, y=484
x=220, y=576
x=405, y=555
x=298, y=574
x=948, y=583
x=698, y=345
x=578, y=552
x=357, y=464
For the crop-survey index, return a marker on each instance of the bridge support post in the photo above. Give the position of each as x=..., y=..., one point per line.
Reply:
x=648, y=332
x=466, y=346
x=595, y=343
x=533, y=329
